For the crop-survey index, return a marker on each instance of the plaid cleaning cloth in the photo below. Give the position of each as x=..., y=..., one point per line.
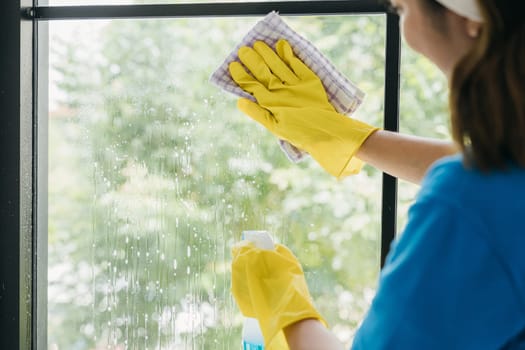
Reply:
x=342, y=93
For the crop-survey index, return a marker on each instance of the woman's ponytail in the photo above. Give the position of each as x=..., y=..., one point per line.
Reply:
x=487, y=92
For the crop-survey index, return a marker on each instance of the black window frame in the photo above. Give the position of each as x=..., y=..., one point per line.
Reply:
x=22, y=316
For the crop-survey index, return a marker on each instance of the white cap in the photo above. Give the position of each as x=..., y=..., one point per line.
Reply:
x=261, y=239
x=465, y=8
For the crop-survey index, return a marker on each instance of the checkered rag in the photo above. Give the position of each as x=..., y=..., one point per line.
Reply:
x=342, y=93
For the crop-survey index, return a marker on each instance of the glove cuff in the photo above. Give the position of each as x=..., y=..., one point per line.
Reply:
x=353, y=164
x=273, y=338
x=337, y=154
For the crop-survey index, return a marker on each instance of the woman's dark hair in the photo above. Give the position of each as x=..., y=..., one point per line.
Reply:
x=487, y=90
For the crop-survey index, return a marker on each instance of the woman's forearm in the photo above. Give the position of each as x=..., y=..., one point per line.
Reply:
x=403, y=156
x=310, y=334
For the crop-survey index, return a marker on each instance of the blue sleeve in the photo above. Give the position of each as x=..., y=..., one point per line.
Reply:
x=441, y=288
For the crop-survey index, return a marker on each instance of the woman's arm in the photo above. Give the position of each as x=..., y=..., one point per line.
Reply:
x=403, y=156
x=310, y=334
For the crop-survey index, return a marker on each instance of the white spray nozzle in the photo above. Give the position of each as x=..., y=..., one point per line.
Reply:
x=261, y=239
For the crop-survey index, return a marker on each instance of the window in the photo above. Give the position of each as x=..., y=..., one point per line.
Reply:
x=144, y=175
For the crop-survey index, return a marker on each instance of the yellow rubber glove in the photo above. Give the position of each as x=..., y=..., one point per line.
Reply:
x=269, y=285
x=293, y=105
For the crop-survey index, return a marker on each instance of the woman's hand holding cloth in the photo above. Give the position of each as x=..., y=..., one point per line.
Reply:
x=293, y=105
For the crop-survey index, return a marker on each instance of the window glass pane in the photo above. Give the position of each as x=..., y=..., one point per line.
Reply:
x=154, y=174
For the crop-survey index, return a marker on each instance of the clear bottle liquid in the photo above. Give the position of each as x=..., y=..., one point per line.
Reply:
x=252, y=338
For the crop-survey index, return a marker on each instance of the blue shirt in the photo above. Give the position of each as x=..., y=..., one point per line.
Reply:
x=455, y=279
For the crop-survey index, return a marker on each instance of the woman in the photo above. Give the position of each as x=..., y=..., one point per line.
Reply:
x=456, y=277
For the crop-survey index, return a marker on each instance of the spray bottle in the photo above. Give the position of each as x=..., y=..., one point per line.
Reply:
x=252, y=338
